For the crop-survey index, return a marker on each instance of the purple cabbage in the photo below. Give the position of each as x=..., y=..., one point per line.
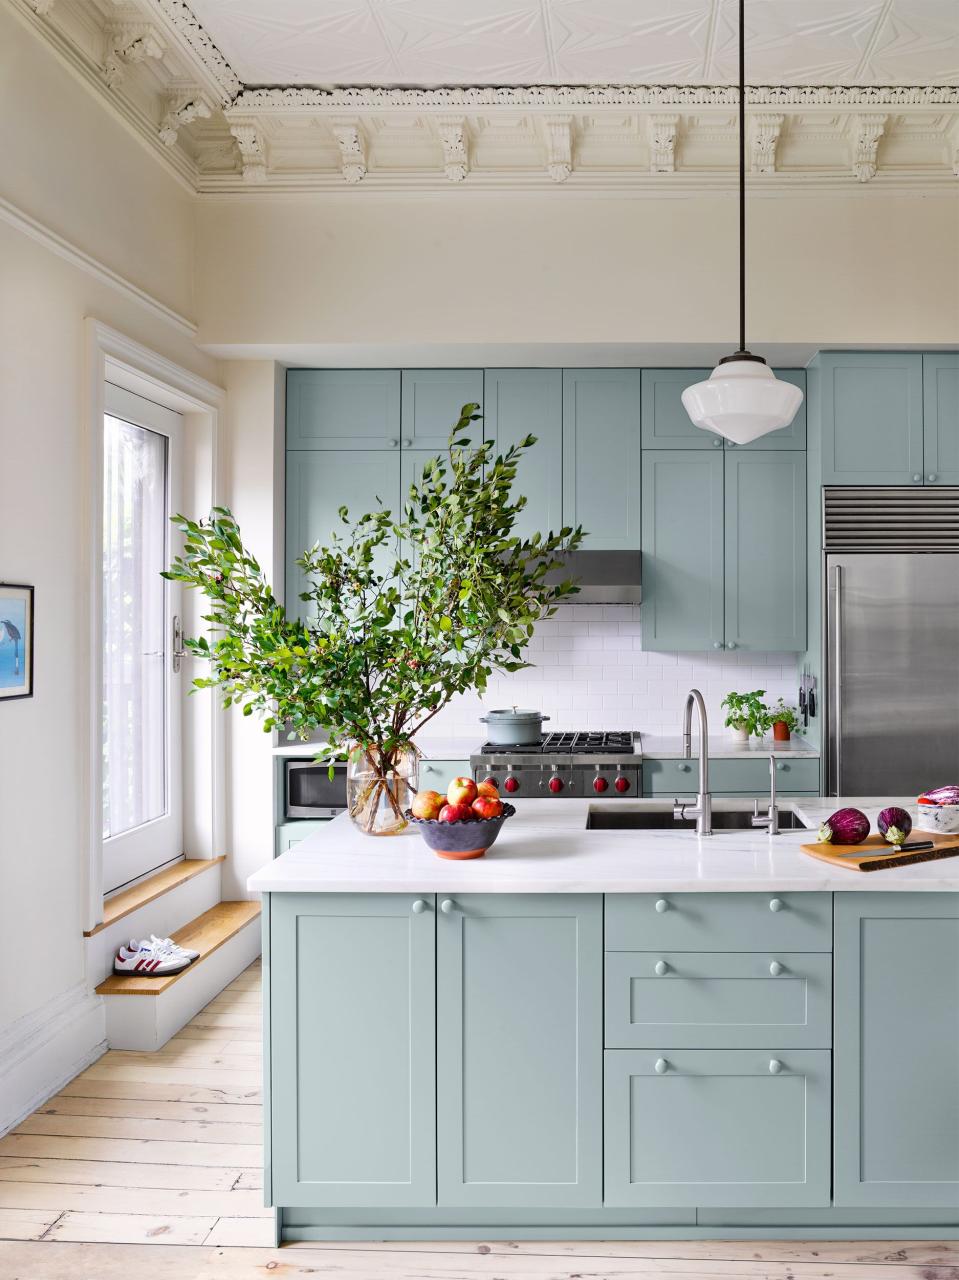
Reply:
x=846, y=826
x=940, y=795
x=894, y=825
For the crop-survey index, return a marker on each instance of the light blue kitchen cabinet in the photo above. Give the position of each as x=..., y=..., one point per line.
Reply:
x=436, y=775
x=352, y=1021
x=519, y=1050
x=940, y=417
x=717, y=1127
x=765, y=579
x=718, y=921
x=432, y=400
x=731, y=777
x=343, y=409
x=317, y=485
x=522, y=402
x=871, y=412
x=897, y=1050
x=289, y=834
x=602, y=456
x=683, y=560
x=667, y=425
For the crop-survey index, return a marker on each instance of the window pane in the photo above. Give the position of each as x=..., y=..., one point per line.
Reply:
x=134, y=626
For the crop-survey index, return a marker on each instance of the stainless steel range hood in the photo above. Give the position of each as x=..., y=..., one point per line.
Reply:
x=604, y=577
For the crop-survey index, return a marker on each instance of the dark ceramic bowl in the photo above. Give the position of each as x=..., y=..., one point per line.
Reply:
x=460, y=840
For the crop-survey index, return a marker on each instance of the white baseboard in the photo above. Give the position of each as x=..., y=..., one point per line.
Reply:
x=42, y=1051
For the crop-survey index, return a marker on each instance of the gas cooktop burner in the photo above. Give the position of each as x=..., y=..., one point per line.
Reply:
x=583, y=742
x=605, y=764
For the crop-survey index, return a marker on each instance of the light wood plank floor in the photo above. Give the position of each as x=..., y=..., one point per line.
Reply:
x=148, y=1165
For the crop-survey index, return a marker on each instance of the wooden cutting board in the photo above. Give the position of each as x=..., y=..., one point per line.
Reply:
x=875, y=853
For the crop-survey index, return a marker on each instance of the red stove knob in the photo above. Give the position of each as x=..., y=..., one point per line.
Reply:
x=556, y=785
x=621, y=784
x=600, y=784
x=511, y=784
x=493, y=781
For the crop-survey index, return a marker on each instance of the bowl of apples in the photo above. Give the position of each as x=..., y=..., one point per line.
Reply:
x=463, y=823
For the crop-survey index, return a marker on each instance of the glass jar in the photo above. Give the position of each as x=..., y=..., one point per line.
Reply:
x=378, y=792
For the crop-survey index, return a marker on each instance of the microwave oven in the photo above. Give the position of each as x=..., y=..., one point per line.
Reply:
x=309, y=792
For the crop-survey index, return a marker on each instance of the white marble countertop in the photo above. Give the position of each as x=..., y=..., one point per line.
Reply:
x=724, y=747
x=546, y=848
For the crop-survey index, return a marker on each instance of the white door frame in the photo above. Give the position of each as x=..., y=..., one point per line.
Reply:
x=112, y=357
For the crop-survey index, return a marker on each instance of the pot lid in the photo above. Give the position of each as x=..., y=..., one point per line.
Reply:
x=513, y=715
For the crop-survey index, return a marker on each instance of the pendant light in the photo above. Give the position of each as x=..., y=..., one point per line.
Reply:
x=742, y=399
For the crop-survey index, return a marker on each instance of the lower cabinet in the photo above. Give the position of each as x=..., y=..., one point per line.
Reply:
x=519, y=1050
x=721, y=1128
x=731, y=777
x=897, y=1050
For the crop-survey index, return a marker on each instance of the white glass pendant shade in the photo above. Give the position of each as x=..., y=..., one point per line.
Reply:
x=742, y=400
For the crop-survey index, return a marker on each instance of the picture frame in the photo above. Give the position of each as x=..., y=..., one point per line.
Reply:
x=16, y=641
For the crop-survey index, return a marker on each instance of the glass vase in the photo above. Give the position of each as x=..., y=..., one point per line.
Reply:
x=379, y=791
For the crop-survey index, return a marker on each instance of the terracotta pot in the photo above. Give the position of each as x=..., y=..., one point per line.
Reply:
x=780, y=731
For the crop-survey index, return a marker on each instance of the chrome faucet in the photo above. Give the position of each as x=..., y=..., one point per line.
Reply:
x=771, y=818
x=703, y=812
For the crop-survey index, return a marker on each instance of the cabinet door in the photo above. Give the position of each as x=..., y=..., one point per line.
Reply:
x=666, y=424
x=432, y=400
x=940, y=418
x=519, y=1050
x=765, y=551
x=317, y=485
x=871, y=405
x=792, y=436
x=730, y=1128
x=682, y=550
x=521, y=402
x=748, y=776
x=436, y=775
x=342, y=408
x=601, y=456
x=352, y=1022
x=897, y=1050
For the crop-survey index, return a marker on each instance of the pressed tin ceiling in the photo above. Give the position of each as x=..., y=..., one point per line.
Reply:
x=521, y=42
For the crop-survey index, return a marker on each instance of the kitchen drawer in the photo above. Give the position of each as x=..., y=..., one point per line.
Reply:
x=730, y=777
x=718, y=1000
x=728, y=1128
x=436, y=775
x=290, y=833
x=719, y=921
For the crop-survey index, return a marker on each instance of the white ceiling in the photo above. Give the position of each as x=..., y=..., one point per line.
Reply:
x=516, y=42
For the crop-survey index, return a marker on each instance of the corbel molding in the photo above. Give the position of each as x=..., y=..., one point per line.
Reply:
x=352, y=145
x=661, y=131
x=454, y=140
x=558, y=132
x=252, y=147
x=183, y=107
x=128, y=43
x=766, y=129
x=867, y=132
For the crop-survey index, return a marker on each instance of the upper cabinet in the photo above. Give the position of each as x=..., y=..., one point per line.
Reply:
x=343, y=409
x=432, y=400
x=601, y=456
x=667, y=425
x=940, y=417
x=871, y=405
x=522, y=402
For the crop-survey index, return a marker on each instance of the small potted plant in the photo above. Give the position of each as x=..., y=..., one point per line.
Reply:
x=782, y=720
x=746, y=714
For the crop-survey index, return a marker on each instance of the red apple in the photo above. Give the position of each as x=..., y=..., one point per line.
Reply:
x=456, y=813
x=461, y=791
x=427, y=804
x=487, y=807
x=487, y=788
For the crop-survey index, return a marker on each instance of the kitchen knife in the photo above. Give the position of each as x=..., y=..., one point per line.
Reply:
x=893, y=848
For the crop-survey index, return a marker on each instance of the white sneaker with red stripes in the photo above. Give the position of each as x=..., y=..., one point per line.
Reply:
x=147, y=960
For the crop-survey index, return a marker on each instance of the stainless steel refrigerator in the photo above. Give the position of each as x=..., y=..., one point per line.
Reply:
x=892, y=640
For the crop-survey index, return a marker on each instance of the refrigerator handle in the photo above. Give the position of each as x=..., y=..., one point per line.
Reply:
x=837, y=680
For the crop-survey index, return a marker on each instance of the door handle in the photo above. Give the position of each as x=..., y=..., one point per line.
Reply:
x=177, y=652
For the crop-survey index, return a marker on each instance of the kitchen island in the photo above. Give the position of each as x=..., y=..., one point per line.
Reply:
x=609, y=1033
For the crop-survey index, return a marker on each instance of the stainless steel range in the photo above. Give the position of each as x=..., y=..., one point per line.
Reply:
x=565, y=765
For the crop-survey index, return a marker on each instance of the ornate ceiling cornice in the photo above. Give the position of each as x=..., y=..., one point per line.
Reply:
x=181, y=18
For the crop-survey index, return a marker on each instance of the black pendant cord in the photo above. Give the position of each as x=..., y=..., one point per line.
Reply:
x=742, y=175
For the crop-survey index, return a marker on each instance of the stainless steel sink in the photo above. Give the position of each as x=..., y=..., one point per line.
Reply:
x=610, y=819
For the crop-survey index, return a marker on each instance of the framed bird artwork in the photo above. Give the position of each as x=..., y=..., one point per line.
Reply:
x=16, y=641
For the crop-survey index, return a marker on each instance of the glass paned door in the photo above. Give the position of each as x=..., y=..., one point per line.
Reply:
x=142, y=825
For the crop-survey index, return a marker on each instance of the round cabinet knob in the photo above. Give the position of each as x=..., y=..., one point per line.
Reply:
x=730, y=444
x=780, y=765
x=775, y=1067
x=662, y=905
x=731, y=645
x=447, y=906
x=683, y=768
x=511, y=785
x=662, y=1066
x=917, y=479
x=419, y=906
x=662, y=967
x=407, y=442
x=600, y=785
x=556, y=785
x=775, y=968
x=717, y=444
x=394, y=444
x=776, y=904
x=621, y=784
x=717, y=644
x=932, y=477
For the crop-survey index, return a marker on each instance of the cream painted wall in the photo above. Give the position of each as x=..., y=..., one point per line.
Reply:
x=828, y=270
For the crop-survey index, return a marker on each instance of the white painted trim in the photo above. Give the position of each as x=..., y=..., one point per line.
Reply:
x=43, y=1050
x=55, y=243
x=129, y=364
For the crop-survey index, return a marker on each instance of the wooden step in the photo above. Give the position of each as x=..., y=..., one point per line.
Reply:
x=206, y=934
x=148, y=890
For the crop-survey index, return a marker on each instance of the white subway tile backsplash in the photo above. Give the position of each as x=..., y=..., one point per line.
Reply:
x=591, y=672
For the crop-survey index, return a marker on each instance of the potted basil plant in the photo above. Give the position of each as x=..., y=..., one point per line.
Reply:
x=402, y=616
x=745, y=714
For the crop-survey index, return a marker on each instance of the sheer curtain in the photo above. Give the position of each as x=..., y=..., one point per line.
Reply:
x=134, y=666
